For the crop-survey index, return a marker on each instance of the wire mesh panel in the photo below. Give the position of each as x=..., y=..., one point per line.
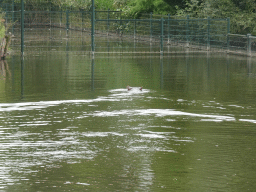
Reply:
x=125, y=35
x=242, y=44
x=50, y=30
x=237, y=43
x=53, y=28
x=198, y=33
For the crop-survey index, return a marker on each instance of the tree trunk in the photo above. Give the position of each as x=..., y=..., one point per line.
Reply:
x=4, y=43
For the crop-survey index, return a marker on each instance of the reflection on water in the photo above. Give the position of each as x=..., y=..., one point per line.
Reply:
x=77, y=128
x=4, y=70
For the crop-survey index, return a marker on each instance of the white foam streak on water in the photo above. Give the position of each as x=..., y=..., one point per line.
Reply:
x=123, y=93
x=44, y=104
x=78, y=183
x=141, y=112
x=248, y=120
x=161, y=113
x=152, y=136
x=115, y=96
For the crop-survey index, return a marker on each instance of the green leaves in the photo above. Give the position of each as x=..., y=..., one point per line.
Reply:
x=242, y=13
x=138, y=7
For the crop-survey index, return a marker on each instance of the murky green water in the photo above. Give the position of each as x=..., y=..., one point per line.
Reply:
x=67, y=123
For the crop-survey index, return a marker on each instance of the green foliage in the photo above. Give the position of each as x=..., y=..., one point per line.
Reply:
x=242, y=13
x=2, y=31
x=137, y=7
x=68, y=3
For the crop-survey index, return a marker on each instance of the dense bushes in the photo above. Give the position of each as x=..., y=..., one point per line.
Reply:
x=242, y=13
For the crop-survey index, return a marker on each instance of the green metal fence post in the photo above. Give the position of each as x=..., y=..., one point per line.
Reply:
x=67, y=21
x=168, y=31
x=82, y=15
x=108, y=23
x=249, y=44
x=228, y=32
x=134, y=33
x=60, y=16
x=50, y=11
x=208, y=33
x=13, y=16
x=93, y=27
x=162, y=37
x=22, y=28
x=187, y=30
x=151, y=31
x=50, y=22
x=121, y=27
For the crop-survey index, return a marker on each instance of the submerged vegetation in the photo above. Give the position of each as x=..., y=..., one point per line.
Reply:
x=242, y=13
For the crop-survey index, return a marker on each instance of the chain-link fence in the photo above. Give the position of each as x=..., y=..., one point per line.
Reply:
x=51, y=28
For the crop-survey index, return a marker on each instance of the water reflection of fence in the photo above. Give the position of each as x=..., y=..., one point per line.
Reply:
x=62, y=30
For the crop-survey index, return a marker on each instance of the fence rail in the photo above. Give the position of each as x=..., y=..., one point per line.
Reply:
x=72, y=30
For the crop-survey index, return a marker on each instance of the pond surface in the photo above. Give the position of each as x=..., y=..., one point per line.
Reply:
x=68, y=123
